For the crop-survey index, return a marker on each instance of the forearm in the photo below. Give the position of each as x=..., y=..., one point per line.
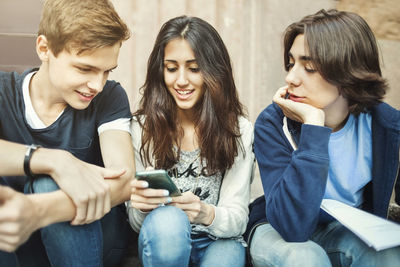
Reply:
x=42, y=161
x=53, y=207
x=120, y=188
x=11, y=158
x=117, y=152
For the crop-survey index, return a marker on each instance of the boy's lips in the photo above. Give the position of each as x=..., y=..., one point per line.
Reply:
x=296, y=98
x=85, y=96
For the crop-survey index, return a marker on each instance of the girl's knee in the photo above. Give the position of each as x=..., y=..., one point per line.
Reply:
x=166, y=223
x=165, y=237
x=224, y=252
x=167, y=220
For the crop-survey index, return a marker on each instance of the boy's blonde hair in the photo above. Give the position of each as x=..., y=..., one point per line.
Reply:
x=81, y=25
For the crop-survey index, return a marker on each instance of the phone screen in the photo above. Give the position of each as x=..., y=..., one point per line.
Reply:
x=159, y=179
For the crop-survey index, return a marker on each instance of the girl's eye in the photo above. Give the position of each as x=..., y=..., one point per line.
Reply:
x=171, y=69
x=194, y=69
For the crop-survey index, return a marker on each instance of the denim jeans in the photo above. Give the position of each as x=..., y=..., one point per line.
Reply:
x=165, y=240
x=101, y=243
x=330, y=245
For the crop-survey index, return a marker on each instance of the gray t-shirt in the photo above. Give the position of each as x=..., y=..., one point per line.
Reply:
x=190, y=175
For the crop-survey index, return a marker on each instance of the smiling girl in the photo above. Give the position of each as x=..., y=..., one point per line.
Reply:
x=191, y=123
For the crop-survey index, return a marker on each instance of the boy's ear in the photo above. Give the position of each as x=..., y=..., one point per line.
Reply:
x=42, y=48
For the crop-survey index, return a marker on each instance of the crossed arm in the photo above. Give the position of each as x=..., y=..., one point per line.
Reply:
x=86, y=194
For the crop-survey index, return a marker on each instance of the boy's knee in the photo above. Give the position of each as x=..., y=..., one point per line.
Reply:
x=306, y=254
x=44, y=185
x=268, y=248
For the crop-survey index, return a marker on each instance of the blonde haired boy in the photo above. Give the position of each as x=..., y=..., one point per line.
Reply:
x=58, y=125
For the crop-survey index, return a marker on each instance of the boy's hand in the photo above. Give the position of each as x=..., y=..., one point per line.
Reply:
x=297, y=111
x=84, y=183
x=18, y=219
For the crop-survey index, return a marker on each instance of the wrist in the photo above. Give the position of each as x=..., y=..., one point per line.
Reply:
x=48, y=161
x=209, y=214
x=317, y=119
x=51, y=208
x=39, y=210
x=27, y=160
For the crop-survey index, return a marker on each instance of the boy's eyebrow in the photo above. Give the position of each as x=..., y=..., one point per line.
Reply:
x=302, y=58
x=305, y=58
x=93, y=67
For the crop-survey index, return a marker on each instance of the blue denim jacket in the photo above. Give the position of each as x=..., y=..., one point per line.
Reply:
x=294, y=181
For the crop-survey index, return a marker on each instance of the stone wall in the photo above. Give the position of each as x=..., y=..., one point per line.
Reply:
x=383, y=16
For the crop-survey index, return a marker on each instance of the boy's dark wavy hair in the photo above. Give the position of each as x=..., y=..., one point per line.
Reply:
x=343, y=49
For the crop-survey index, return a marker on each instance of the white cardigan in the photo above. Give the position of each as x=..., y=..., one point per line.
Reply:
x=231, y=213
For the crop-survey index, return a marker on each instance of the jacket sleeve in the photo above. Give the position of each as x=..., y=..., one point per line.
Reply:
x=293, y=181
x=397, y=185
x=231, y=213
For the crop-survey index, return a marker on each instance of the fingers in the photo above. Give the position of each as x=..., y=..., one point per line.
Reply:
x=93, y=206
x=186, y=197
x=9, y=243
x=135, y=183
x=107, y=202
x=279, y=96
x=147, y=204
x=140, y=187
x=81, y=211
x=147, y=199
x=11, y=236
x=14, y=227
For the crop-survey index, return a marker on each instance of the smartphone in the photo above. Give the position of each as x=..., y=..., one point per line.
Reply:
x=159, y=179
x=287, y=95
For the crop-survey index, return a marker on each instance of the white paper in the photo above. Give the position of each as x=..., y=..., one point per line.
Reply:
x=375, y=231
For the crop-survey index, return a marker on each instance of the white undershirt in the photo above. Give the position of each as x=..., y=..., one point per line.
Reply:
x=35, y=122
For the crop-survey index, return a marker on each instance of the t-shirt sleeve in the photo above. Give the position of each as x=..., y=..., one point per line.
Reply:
x=112, y=104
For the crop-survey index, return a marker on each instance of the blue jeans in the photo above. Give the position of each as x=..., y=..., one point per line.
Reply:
x=165, y=240
x=330, y=245
x=102, y=242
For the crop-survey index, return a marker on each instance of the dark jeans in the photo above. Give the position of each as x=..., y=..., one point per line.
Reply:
x=101, y=243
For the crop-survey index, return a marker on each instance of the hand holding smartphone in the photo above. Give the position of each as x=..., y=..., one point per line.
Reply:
x=159, y=179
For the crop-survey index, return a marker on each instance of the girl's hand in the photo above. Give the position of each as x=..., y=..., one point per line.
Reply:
x=147, y=199
x=298, y=111
x=197, y=211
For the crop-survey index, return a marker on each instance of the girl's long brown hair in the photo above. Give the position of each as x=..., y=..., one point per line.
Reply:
x=217, y=113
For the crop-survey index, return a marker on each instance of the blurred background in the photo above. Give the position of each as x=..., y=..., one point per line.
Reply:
x=251, y=29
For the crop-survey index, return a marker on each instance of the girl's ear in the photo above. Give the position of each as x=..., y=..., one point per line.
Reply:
x=42, y=48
